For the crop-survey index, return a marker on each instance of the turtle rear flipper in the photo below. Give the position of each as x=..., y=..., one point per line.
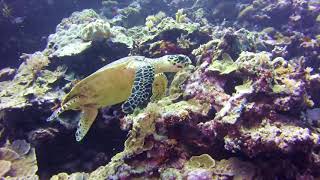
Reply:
x=159, y=86
x=88, y=115
x=141, y=89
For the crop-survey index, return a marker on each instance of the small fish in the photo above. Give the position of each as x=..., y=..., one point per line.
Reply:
x=18, y=20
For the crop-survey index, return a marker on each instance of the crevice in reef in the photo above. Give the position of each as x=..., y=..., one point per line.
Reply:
x=63, y=154
x=57, y=151
x=231, y=83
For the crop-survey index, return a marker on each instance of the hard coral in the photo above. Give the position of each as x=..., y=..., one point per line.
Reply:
x=18, y=160
x=203, y=161
x=30, y=81
x=76, y=33
x=6, y=74
x=74, y=176
x=96, y=31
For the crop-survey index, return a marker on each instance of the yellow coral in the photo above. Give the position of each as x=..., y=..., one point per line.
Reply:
x=96, y=31
x=152, y=20
x=203, y=161
x=180, y=16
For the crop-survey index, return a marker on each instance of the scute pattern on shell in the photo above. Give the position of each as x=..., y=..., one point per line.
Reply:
x=141, y=90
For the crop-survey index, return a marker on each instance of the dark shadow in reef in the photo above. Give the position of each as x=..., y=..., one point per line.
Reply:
x=92, y=59
x=64, y=154
x=56, y=148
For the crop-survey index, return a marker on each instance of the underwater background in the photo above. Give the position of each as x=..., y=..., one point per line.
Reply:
x=248, y=108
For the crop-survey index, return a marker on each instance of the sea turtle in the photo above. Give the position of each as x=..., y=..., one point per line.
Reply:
x=132, y=80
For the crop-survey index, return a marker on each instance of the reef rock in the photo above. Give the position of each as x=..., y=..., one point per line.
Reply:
x=18, y=161
x=76, y=33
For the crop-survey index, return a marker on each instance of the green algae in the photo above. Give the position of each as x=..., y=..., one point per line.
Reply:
x=224, y=66
x=244, y=88
x=277, y=88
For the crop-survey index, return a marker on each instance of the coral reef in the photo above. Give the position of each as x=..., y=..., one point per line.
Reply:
x=247, y=109
x=296, y=13
x=6, y=74
x=26, y=25
x=241, y=124
x=30, y=83
x=76, y=33
x=18, y=160
x=96, y=31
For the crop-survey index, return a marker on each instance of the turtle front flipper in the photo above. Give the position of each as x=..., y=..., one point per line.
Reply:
x=159, y=86
x=67, y=105
x=88, y=115
x=141, y=89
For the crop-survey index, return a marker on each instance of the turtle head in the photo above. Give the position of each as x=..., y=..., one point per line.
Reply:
x=173, y=63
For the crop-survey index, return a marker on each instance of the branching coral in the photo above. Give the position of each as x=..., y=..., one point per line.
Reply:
x=180, y=16
x=184, y=42
x=153, y=20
